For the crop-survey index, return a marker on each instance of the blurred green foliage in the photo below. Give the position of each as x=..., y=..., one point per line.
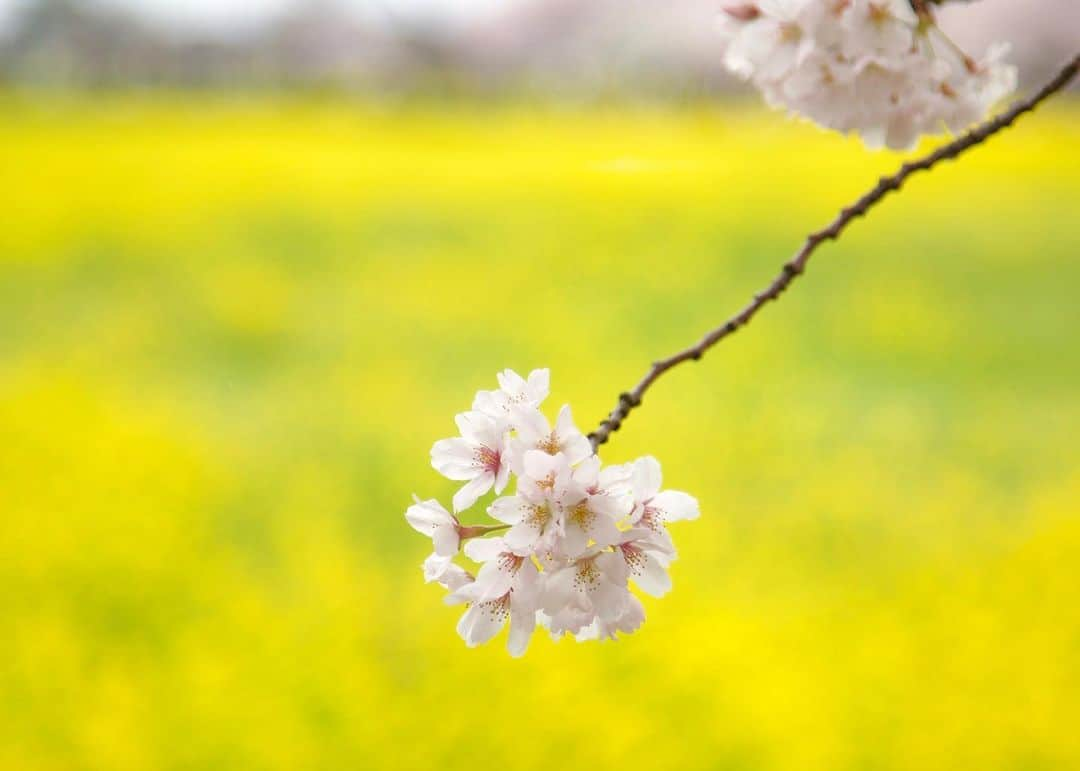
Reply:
x=230, y=332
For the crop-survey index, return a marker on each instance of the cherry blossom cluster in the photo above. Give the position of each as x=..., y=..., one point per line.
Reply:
x=573, y=535
x=875, y=67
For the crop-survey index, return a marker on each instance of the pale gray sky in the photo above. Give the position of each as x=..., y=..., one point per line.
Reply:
x=230, y=15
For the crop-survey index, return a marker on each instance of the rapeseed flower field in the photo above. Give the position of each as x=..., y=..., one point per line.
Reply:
x=231, y=330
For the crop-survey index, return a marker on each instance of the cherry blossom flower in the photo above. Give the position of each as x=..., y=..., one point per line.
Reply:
x=535, y=519
x=514, y=391
x=535, y=433
x=629, y=621
x=588, y=587
x=442, y=569
x=653, y=507
x=589, y=511
x=544, y=474
x=870, y=66
x=431, y=519
x=769, y=41
x=647, y=559
x=578, y=535
x=882, y=26
x=506, y=588
x=480, y=457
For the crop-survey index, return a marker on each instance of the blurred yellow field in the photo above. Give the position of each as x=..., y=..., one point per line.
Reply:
x=232, y=330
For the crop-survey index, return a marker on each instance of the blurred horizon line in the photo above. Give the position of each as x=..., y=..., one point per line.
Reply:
x=529, y=48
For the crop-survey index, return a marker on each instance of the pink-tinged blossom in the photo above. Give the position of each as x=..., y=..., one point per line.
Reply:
x=590, y=586
x=443, y=571
x=647, y=558
x=590, y=512
x=431, y=519
x=654, y=508
x=544, y=474
x=535, y=519
x=870, y=66
x=535, y=433
x=768, y=41
x=505, y=589
x=578, y=536
x=628, y=622
x=479, y=457
x=514, y=392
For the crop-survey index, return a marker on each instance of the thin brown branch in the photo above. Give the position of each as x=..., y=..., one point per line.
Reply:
x=797, y=264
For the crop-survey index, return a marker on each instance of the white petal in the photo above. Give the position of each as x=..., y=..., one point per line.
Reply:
x=463, y=593
x=633, y=617
x=647, y=478
x=587, y=473
x=446, y=540
x=577, y=448
x=435, y=567
x=425, y=516
x=609, y=600
x=474, y=426
x=590, y=632
x=454, y=458
x=502, y=476
x=467, y=495
x=494, y=404
x=484, y=549
x=653, y=578
x=540, y=465
x=569, y=620
x=522, y=625
x=575, y=540
x=673, y=506
x=508, y=510
x=614, y=506
x=479, y=624
x=527, y=587
x=612, y=567
x=602, y=529
x=455, y=577
x=522, y=538
x=564, y=422
x=493, y=581
x=511, y=382
x=539, y=384
x=530, y=423
x=616, y=479
x=557, y=591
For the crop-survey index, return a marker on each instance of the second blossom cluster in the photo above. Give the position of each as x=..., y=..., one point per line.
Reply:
x=875, y=67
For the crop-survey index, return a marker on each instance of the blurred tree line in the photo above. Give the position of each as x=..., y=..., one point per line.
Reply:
x=563, y=47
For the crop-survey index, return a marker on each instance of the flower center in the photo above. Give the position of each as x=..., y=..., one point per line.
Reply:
x=487, y=459
x=510, y=562
x=547, y=483
x=587, y=574
x=549, y=444
x=496, y=609
x=581, y=515
x=634, y=557
x=652, y=519
x=538, y=515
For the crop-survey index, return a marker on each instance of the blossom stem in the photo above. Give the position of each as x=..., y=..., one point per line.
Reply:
x=797, y=264
x=475, y=531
